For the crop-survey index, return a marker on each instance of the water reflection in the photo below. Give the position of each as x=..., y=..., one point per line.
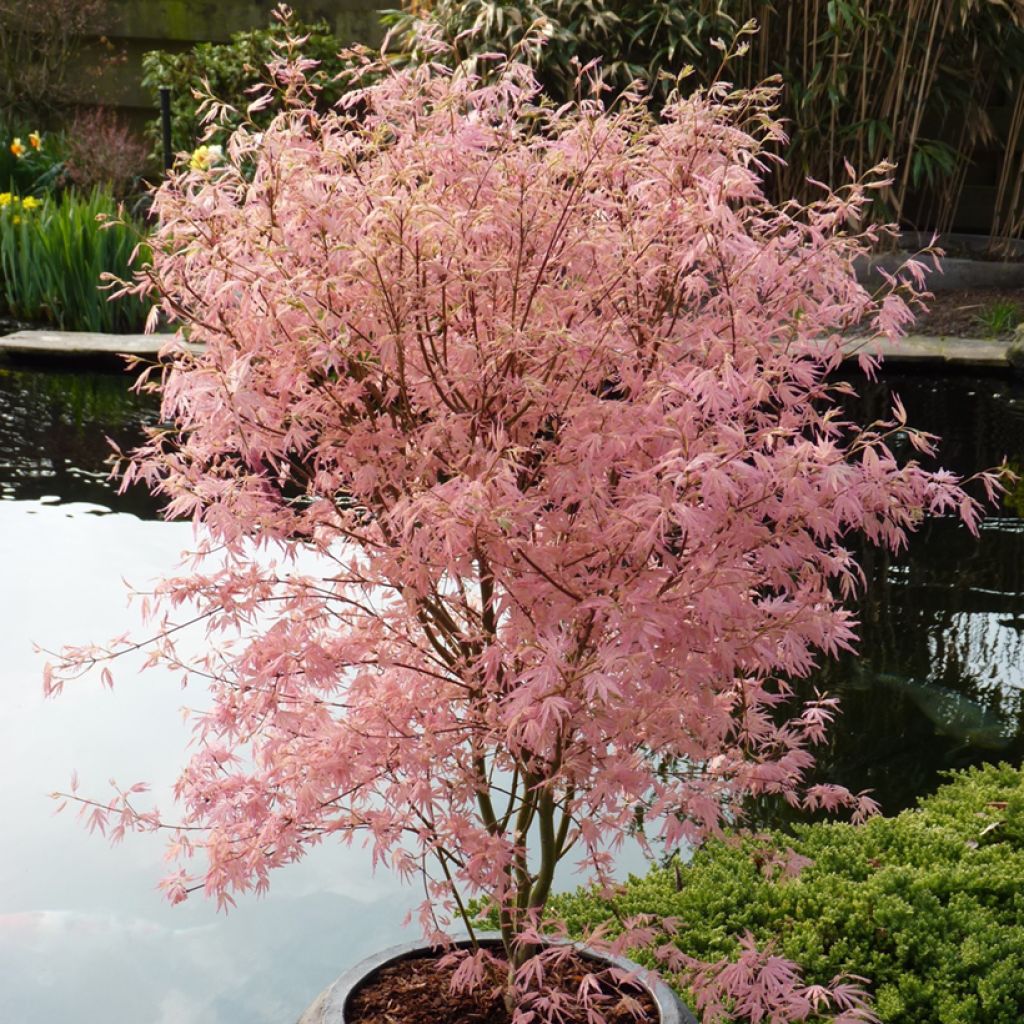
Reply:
x=938, y=677
x=83, y=933
x=53, y=430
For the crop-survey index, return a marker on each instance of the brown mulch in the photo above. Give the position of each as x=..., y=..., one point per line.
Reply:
x=418, y=992
x=960, y=313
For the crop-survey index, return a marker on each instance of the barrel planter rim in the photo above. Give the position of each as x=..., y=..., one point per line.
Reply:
x=329, y=1006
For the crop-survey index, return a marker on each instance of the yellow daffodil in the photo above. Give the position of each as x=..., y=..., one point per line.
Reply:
x=18, y=148
x=35, y=140
x=205, y=157
x=18, y=205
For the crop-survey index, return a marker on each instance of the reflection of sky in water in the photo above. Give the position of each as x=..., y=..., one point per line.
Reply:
x=982, y=646
x=988, y=645
x=84, y=934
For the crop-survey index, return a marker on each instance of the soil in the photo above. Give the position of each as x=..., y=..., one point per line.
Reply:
x=962, y=313
x=416, y=991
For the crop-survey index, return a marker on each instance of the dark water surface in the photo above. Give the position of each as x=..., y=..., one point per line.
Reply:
x=53, y=436
x=938, y=679
x=937, y=684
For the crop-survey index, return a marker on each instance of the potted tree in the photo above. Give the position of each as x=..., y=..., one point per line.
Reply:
x=546, y=392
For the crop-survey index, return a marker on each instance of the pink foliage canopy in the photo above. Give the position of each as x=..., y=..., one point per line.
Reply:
x=547, y=392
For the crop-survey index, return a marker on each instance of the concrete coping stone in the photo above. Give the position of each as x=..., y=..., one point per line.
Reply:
x=914, y=348
x=927, y=349
x=85, y=344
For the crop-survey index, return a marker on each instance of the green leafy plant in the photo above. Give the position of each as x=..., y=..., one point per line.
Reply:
x=53, y=256
x=228, y=71
x=31, y=162
x=926, y=904
x=998, y=318
x=634, y=40
x=864, y=81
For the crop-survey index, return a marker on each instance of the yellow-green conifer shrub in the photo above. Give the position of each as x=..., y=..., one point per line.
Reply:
x=928, y=905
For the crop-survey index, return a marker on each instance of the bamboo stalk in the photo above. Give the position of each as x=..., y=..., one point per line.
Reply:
x=928, y=73
x=868, y=84
x=862, y=109
x=806, y=37
x=1006, y=216
x=765, y=38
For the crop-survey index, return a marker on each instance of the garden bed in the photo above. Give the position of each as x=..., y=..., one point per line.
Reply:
x=991, y=313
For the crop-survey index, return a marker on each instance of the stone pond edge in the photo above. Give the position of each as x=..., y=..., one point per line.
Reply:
x=918, y=349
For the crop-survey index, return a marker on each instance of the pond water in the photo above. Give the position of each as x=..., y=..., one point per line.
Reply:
x=83, y=932
x=937, y=680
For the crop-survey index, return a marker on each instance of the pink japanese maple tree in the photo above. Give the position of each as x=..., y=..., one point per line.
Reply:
x=549, y=394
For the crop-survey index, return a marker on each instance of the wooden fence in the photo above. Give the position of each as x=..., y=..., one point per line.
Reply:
x=109, y=70
x=109, y=67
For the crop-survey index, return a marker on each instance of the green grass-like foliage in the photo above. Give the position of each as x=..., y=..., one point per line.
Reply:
x=52, y=258
x=928, y=905
x=998, y=318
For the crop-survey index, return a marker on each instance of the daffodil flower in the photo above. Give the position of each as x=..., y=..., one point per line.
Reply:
x=18, y=148
x=205, y=157
x=17, y=205
x=35, y=140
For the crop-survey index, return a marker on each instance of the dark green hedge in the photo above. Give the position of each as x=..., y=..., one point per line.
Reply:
x=928, y=905
x=231, y=69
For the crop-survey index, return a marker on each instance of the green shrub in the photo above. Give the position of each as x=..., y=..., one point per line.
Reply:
x=635, y=39
x=862, y=81
x=928, y=905
x=231, y=69
x=52, y=256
